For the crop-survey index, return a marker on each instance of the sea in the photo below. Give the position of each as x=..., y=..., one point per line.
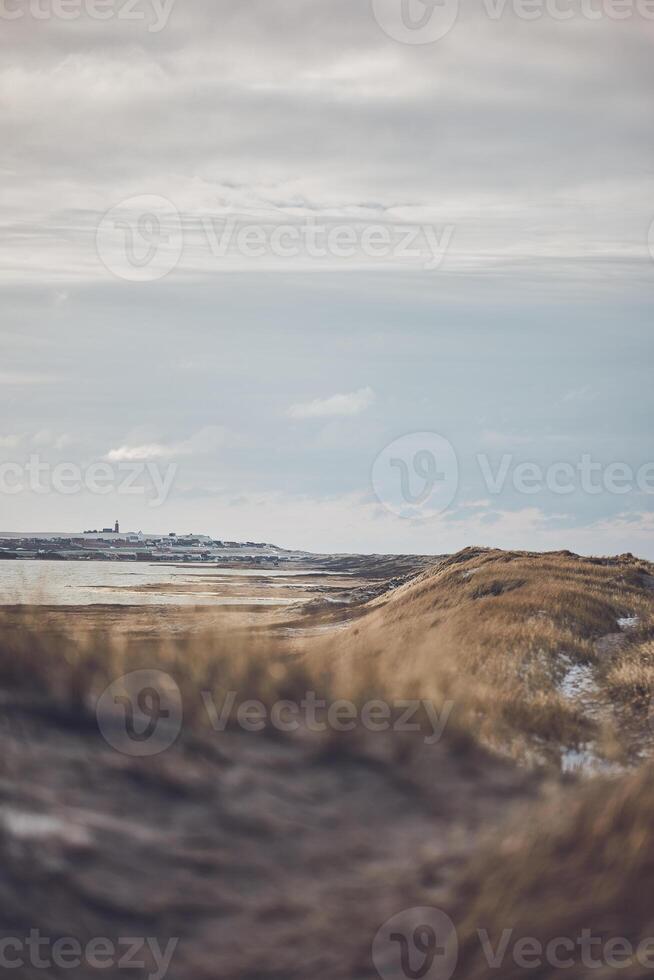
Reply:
x=75, y=583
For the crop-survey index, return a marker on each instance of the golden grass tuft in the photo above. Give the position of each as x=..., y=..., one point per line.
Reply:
x=495, y=632
x=574, y=863
x=491, y=632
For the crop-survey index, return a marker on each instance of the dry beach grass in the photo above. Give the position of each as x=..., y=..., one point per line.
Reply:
x=496, y=633
x=274, y=855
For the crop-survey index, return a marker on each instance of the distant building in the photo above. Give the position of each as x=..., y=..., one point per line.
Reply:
x=111, y=534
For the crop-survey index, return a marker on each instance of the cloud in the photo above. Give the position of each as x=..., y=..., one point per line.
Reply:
x=131, y=453
x=10, y=441
x=45, y=438
x=320, y=408
x=571, y=161
x=204, y=442
x=11, y=378
x=582, y=394
x=550, y=249
x=491, y=437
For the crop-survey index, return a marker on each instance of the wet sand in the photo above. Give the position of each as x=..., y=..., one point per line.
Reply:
x=319, y=595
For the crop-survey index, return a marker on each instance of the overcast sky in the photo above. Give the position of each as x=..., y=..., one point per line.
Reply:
x=308, y=268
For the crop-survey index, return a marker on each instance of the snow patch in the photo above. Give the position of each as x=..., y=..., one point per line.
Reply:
x=578, y=682
x=24, y=825
x=628, y=622
x=585, y=762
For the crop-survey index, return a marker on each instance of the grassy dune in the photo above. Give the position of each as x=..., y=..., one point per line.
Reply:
x=577, y=862
x=276, y=855
x=497, y=633
x=494, y=634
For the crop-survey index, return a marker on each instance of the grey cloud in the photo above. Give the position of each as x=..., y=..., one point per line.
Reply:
x=533, y=139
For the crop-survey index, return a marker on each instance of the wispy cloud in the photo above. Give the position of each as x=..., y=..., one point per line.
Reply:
x=24, y=378
x=46, y=438
x=206, y=441
x=129, y=453
x=491, y=437
x=351, y=404
x=10, y=441
x=583, y=394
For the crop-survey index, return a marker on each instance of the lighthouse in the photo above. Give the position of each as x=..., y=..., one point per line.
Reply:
x=117, y=528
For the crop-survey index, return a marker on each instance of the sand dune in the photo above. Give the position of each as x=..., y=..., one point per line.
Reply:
x=262, y=854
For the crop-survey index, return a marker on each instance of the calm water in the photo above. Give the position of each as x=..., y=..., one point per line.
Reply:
x=84, y=583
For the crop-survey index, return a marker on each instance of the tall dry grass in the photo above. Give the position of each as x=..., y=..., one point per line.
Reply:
x=578, y=862
x=492, y=633
x=495, y=633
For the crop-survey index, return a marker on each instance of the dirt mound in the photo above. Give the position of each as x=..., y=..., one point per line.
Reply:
x=246, y=856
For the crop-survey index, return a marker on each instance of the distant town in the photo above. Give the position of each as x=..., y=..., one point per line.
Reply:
x=112, y=544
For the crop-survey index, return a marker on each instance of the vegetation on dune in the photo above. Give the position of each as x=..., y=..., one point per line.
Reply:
x=496, y=633
x=492, y=633
x=577, y=862
x=363, y=824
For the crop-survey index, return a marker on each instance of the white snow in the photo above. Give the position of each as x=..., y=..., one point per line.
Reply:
x=628, y=622
x=584, y=761
x=34, y=826
x=579, y=682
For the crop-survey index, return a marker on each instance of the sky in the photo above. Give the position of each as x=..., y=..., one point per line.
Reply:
x=373, y=275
